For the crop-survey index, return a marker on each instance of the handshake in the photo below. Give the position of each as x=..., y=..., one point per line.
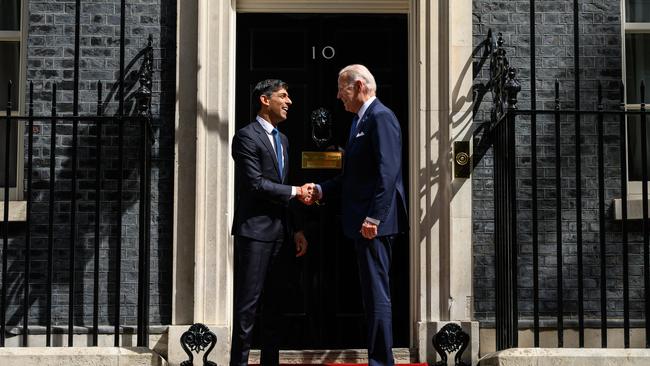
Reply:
x=308, y=193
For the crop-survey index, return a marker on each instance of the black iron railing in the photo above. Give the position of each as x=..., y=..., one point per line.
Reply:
x=508, y=122
x=138, y=119
x=504, y=87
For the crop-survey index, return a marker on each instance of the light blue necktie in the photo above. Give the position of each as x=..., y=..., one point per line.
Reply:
x=278, y=150
x=353, y=128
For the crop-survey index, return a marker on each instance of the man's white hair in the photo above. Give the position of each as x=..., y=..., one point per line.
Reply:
x=359, y=72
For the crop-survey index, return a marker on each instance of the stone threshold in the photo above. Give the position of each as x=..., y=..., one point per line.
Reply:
x=401, y=355
x=568, y=356
x=80, y=356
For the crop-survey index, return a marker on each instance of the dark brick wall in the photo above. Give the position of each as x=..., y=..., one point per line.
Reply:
x=600, y=60
x=50, y=55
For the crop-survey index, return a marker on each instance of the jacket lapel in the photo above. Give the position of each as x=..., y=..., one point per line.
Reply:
x=264, y=138
x=362, y=121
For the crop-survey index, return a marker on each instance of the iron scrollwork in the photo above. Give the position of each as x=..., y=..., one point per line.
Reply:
x=449, y=339
x=503, y=83
x=145, y=77
x=321, y=127
x=196, y=339
x=513, y=87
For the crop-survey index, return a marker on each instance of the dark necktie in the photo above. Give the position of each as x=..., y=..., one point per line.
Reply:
x=353, y=128
x=278, y=149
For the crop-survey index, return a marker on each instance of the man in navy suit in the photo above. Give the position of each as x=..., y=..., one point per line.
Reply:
x=261, y=222
x=372, y=200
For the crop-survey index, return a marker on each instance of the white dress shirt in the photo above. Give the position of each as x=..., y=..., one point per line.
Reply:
x=268, y=128
x=364, y=108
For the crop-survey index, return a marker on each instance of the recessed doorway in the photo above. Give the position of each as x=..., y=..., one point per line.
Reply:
x=324, y=309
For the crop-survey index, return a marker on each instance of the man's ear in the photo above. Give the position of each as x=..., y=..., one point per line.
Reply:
x=264, y=100
x=359, y=85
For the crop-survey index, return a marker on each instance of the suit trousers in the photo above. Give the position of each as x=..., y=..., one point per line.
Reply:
x=258, y=274
x=374, y=258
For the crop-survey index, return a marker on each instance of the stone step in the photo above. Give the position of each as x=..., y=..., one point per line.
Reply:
x=80, y=356
x=333, y=356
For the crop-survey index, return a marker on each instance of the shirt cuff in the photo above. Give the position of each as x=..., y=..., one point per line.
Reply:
x=319, y=190
x=293, y=191
x=373, y=221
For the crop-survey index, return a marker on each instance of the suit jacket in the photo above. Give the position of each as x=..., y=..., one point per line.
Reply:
x=371, y=182
x=261, y=206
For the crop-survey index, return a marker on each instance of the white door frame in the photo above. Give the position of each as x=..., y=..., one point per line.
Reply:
x=440, y=102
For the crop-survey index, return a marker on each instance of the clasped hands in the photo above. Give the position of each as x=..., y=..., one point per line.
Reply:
x=307, y=193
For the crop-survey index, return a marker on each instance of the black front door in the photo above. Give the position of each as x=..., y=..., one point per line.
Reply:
x=324, y=308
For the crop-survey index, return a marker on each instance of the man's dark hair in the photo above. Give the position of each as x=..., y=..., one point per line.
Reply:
x=266, y=87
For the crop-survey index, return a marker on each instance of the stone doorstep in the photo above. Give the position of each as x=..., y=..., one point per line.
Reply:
x=80, y=356
x=568, y=357
x=401, y=355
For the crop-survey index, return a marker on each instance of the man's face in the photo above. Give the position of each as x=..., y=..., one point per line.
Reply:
x=278, y=105
x=348, y=93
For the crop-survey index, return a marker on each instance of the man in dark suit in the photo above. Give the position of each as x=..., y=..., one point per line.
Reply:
x=372, y=200
x=262, y=221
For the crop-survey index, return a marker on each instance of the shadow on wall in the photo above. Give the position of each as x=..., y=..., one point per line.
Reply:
x=458, y=117
x=86, y=218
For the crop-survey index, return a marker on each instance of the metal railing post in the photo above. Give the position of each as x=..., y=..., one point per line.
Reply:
x=5, y=234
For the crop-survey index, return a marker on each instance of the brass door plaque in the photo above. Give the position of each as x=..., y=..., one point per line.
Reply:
x=322, y=160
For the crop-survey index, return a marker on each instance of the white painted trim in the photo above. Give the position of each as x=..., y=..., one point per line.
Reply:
x=634, y=207
x=413, y=171
x=428, y=206
x=633, y=107
x=10, y=35
x=17, y=210
x=637, y=28
x=323, y=6
x=630, y=185
x=440, y=206
x=184, y=235
x=16, y=194
x=431, y=134
x=634, y=187
x=22, y=87
x=213, y=254
x=460, y=124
